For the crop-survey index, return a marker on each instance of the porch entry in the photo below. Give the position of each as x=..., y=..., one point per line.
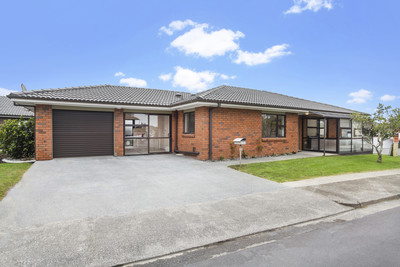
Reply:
x=314, y=132
x=146, y=133
x=342, y=136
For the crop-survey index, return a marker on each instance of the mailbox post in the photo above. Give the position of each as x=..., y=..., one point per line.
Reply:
x=240, y=141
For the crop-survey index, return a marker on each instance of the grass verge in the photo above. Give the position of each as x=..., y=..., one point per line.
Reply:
x=299, y=169
x=10, y=174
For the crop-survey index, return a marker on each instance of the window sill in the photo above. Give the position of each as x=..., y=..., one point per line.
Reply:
x=187, y=135
x=277, y=139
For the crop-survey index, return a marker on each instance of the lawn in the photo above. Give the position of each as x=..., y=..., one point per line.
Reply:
x=299, y=169
x=10, y=174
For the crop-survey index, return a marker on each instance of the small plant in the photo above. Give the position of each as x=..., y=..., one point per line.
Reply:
x=253, y=156
x=17, y=138
x=273, y=154
x=259, y=146
x=221, y=158
x=294, y=152
x=244, y=154
x=233, y=149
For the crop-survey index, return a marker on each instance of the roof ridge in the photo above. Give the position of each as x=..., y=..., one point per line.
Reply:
x=62, y=88
x=293, y=97
x=92, y=86
x=206, y=92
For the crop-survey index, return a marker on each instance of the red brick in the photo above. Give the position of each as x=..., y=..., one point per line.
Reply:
x=118, y=132
x=43, y=132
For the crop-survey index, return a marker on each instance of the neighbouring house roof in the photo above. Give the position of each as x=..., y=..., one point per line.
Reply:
x=110, y=94
x=9, y=110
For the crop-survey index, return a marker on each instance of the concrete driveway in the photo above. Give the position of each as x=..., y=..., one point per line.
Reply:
x=79, y=188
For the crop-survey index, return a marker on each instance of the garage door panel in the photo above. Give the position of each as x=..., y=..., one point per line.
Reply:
x=82, y=133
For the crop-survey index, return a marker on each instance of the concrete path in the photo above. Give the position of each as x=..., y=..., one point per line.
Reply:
x=299, y=155
x=108, y=241
x=340, y=178
x=360, y=192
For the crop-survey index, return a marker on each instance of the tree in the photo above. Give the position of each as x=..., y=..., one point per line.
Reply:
x=382, y=124
x=17, y=138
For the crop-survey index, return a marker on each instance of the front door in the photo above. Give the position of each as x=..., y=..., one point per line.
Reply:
x=147, y=133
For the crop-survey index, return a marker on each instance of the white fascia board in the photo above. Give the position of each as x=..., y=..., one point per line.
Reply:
x=268, y=109
x=33, y=102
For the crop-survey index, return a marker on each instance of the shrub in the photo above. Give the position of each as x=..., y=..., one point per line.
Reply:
x=259, y=145
x=233, y=149
x=17, y=138
x=221, y=158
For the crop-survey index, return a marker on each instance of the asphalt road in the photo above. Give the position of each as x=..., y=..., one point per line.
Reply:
x=373, y=240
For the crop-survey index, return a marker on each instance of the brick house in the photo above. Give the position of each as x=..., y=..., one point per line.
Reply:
x=119, y=120
x=9, y=111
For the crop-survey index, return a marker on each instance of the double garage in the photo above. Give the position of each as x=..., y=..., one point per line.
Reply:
x=82, y=133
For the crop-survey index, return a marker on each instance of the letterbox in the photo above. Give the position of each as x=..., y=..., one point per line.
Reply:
x=240, y=141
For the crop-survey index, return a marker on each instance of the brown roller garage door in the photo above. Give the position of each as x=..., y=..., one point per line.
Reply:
x=82, y=133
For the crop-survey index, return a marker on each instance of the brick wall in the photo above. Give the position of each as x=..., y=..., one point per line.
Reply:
x=332, y=128
x=229, y=124
x=118, y=132
x=197, y=141
x=43, y=132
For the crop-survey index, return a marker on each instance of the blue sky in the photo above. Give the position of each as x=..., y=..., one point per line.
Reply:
x=342, y=52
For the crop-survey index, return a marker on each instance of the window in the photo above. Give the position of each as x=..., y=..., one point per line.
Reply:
x=345, y=128
x=273, y=125
x=188, y=122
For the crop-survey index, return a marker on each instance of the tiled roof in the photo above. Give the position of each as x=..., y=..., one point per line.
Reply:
x=8, y=109
x=239, y=95
x=106, y=94
x=110, y=94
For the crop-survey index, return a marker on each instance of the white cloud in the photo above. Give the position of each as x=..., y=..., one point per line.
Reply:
x=359, y=97
x=4, y=91
x=226, y=77
x=177, y=25
x=389, y=97
x=313, y=5
x=252, y=59
x=165, y=77
x=119, y=74
x=192, y=80
x=201, y=42
x=196, y=81
x=133, y=82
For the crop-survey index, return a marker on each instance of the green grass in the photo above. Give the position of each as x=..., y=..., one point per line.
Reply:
x=10, y=174
x=299, y=169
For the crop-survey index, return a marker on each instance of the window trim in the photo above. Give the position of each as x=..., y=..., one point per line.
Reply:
x=277, y=127
x=184, y=122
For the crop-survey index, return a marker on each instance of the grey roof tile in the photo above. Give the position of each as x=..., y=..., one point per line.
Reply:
x=8, y=109
x=246, y=96
x=110, y=94
x=144, y=96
